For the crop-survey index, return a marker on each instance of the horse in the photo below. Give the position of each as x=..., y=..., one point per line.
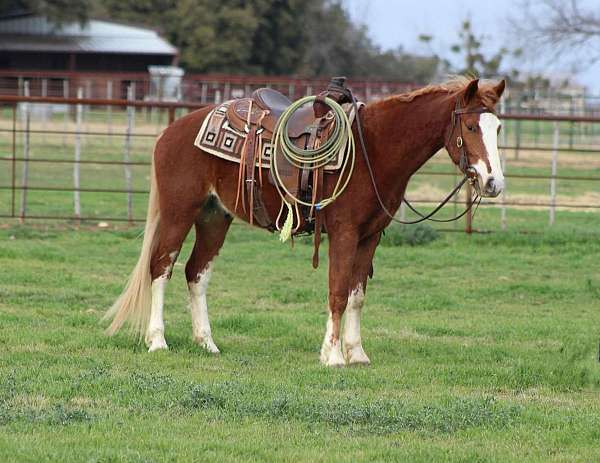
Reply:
x=190, y=187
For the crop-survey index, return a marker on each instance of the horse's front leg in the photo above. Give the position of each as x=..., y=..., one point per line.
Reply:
x=342, y=249
x=363, y=267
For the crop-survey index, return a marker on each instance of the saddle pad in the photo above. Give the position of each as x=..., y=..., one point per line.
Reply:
x=217, y=137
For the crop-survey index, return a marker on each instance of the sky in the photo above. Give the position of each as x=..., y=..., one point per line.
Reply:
x=394, y=23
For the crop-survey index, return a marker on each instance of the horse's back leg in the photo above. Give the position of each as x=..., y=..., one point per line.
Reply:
x=212, y=225
x=175, y=223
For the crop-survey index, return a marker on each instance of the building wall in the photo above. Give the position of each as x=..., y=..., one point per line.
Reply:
x=85, y=62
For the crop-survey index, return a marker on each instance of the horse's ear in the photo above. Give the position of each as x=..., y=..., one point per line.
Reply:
x=499, y=89
x=471, y=90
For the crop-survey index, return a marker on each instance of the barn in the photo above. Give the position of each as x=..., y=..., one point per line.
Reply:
x=31, y=42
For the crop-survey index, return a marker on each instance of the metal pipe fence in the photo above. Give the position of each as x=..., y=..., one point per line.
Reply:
x=28, y=139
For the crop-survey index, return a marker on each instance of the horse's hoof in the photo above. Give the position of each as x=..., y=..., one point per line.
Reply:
x=158, y=344
x=335, y=359
x=208, y=345
x=356, y=356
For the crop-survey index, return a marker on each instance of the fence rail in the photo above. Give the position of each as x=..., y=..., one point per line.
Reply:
x=19, y=126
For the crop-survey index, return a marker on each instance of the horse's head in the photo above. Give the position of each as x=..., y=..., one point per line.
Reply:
x=472, y=136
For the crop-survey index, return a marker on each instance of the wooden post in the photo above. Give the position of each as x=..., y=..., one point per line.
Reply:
x=25, y=175
x=469, y=215
x=126, y=154
x=76, y=165
x=555, y=142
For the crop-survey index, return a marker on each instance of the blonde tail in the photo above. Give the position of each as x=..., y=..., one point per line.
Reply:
x=134, y=304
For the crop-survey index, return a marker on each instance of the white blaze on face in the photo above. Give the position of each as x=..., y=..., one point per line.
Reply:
x=489, y=124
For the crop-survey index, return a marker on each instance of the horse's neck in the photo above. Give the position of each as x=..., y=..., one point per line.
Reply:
x=404, y=135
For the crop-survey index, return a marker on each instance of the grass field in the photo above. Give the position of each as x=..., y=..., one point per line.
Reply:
x=484, y=348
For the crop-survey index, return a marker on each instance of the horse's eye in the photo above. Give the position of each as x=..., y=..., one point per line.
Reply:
x=472, y=128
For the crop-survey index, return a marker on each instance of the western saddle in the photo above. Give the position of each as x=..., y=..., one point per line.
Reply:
x=242, y=130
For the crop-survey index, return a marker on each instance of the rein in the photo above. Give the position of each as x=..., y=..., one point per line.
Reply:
x=463, y=165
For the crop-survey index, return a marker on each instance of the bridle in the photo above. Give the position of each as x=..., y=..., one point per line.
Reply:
x=463, y=160
x=470, y=175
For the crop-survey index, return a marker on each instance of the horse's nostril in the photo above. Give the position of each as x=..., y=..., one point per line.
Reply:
x=489, y=184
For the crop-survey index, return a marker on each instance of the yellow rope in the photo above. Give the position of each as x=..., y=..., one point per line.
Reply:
x=341, y=142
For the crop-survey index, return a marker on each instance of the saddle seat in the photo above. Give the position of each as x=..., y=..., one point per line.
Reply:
x=267, y=105
x=267, y=98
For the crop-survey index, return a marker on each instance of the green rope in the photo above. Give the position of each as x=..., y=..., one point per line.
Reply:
x=340, y=142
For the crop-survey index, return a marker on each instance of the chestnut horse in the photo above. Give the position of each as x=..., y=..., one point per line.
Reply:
x=193, y=188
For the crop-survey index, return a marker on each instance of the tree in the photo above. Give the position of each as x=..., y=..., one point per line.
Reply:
x=563, y=27
x=336, y=45
x=475, y=62
x=57, y=11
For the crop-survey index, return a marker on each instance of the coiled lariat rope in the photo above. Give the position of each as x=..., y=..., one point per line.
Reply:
x=340, y=142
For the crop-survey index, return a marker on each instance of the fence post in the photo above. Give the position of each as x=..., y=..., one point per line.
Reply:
x=554, y=169
x=503, y=166
x=109, y=96
x=66, y=113
x=402, y=211
x=518, y=138
x=25, y=176
x=14, y=160
x=88, y=94
x=204, y=93
x=571, y=124
x=45, y=108
x=469, y=216
x=126, y=154
x=76, y=180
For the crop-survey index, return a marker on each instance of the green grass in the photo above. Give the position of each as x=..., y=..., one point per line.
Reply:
x=484, y=348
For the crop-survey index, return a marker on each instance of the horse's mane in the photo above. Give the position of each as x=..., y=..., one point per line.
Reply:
x=452, y=85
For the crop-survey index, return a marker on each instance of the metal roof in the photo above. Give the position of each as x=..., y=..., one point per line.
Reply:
x=35, y=33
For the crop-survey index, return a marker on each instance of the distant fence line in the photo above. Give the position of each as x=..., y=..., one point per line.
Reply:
x=23, y=102
x=215, y=88
x=198, y=88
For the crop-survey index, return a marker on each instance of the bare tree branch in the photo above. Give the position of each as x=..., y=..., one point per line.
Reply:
x=561, y=28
